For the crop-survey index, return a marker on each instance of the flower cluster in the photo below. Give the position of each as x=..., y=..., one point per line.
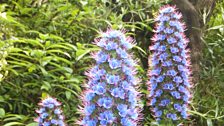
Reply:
x=50, y=113
x=111, y=96
x=169, y=80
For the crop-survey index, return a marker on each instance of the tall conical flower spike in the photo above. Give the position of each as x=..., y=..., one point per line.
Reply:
x=50, y=113
x=169, y=80
x=111, y=96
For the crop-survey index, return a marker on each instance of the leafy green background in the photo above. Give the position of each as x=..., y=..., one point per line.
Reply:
x=45, y=47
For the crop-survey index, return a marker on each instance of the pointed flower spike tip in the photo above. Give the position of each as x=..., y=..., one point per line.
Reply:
x=50, y=113
x=169, y=74
x=111, y=97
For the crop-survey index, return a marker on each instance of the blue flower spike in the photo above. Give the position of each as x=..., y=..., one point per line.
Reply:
x=169, y=67
x=50, y=113
x=111, y=96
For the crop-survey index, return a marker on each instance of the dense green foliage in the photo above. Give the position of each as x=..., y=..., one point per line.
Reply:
x=45, y=46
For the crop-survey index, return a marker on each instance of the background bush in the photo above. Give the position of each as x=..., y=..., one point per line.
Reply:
x=45, y=46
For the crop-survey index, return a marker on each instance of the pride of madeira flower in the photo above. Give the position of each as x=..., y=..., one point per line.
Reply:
x=169, y=80
x=50, y=113
x=111, y=95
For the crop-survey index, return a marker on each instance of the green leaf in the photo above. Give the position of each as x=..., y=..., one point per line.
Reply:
x=2, y=112
x=68, y=94
x=32, y=124
x=209, y=122
x=14, y=124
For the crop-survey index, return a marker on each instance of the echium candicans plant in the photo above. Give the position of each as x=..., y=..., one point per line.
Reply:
x=169, y=74
x=50, y=113
x=111, y=97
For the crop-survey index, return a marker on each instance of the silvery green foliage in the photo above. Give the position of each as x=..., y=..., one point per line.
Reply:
x=169, y=81
x=50, y=113
x=111, y=96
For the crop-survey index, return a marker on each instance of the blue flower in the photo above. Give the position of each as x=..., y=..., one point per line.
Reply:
x=126, y=70
x=171, y=73
x=162, y=48
x=57, y=111
x=153, y=101
x=106, y=102
x=112, y=79
x=176, y=94
x=167, y=10
x=169, y=30
x=111, y=46
x=122, y=108
x=99, y=89
x=160, y=79
x=177, y=58
x=156, y=71
x=101, y=57
x=106, y=117
x=89, y=109
x=129, y=62
x=118, y=92
x=89, y=96
x=158, y=93
x=164, y=18
x=158, y=113
x=44, y=115
x=161, y=37
x=127, y=122
x=164, y=102
x=163, y=56
x=49, y=113
x=169, y=82
x=177, y=79
x=168, y=86
x=181, y=45
x=122, y=53
x=174, y=50
x=177, y=107
x=171, y=116
x=160, y=28
x=125, y=85
x=181, y=68
x=167, y=63
x=114, y=63
x=111, y=85
x=171, y=40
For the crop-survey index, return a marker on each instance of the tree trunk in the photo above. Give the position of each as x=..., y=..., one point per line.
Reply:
x=192, y=13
